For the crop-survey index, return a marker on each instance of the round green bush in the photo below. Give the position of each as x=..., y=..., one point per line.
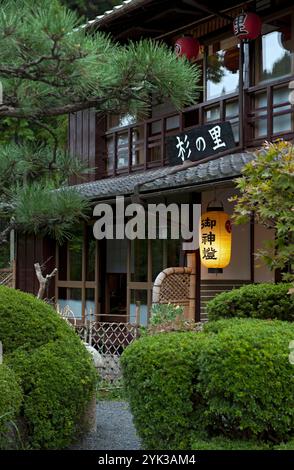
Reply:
x=160, y=375
x=264, y=301
x=10, y=402
x=55, y=370
x=234, y=381
x=58, y=380
x=247, y=381
x=28, y=322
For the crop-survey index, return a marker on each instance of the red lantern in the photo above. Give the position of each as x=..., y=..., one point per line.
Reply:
x=187, y=46
x=247, y=26
x=286, y=39
x=231, y=59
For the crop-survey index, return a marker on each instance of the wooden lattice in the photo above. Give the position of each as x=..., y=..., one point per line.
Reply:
x=175, y=288
x=6, y=277
x=108, y=338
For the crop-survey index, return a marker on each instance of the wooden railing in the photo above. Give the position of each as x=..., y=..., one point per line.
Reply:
x=267, y=115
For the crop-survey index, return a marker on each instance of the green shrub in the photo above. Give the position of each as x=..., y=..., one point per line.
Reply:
x=163, y=313
x=55, y=370
x=160, y=375
x=264, y=301
x=220, y=443
x=233, y=381
x=28, y=322
x=10, y=402
x=58, y=380
x=247, y=380
x=285, y=446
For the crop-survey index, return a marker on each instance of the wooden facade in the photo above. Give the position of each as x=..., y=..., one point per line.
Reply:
x=258, y=108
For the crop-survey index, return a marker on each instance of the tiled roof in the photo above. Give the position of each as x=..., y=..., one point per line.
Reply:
x=227, y=167
x=124, y=7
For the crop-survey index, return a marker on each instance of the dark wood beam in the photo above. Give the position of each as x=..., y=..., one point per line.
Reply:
x=207, y=9
x=180, y=11
x=138, y=29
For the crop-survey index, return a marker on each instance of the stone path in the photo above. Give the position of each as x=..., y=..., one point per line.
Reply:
x=115, y=429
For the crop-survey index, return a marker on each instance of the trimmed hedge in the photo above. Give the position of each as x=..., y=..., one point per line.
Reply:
x=159, y=373
x=220, y=443
x=58, y=380
x=27, y=322
x=264, y=301
x=234, y=380
x=247, y=380
x=10, y=401
x=55, y=370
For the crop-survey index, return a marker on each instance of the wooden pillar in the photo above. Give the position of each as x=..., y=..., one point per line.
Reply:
x=191, y=263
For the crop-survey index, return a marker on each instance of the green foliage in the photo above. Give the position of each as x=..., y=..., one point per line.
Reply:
x=48, y=62
x=10, y=402
x=110, y=391
x=28, y=323
x=25, y=131
x=159, y=373
x=41, y=211
x=58, y=381
x=232, y=382
x=56, y=372
x=267, y=191
x=285, y=446
x=221, y=443
x=50, y=67
x=264, y=301
x=247, y=380
x=162, y=313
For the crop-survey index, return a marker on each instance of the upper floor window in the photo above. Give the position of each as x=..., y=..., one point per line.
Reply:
x=222, y=70
x=275, y=50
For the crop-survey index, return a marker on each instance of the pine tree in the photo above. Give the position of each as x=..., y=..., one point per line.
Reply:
x=50, y=67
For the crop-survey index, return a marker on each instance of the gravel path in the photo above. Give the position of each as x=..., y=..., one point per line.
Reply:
x=115, y=429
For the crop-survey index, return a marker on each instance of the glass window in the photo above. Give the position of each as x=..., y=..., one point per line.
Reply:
x=90, y=254
x=232, y=114
x=62, y=268
x=90, y=304
x=122, y=150
x=282, y=123
x=222, y=71
x=275, y=51
x=139, y=307
x=75, y=247
x=158, y=257
x=110, y=153
x=121, y=120
x=139, y=260
x=173, y=248
x=138, y=146
x=72, y=299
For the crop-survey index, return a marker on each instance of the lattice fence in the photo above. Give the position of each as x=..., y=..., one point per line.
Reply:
x=6, y=277
x=108, y=338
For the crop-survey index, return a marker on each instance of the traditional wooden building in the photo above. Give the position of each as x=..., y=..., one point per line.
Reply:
x=245, y=84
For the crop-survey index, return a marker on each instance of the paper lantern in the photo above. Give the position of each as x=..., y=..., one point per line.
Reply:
x=215, y=239
x=187, y=46
x=286, y=40
x=231, y=59
x=247, y=26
